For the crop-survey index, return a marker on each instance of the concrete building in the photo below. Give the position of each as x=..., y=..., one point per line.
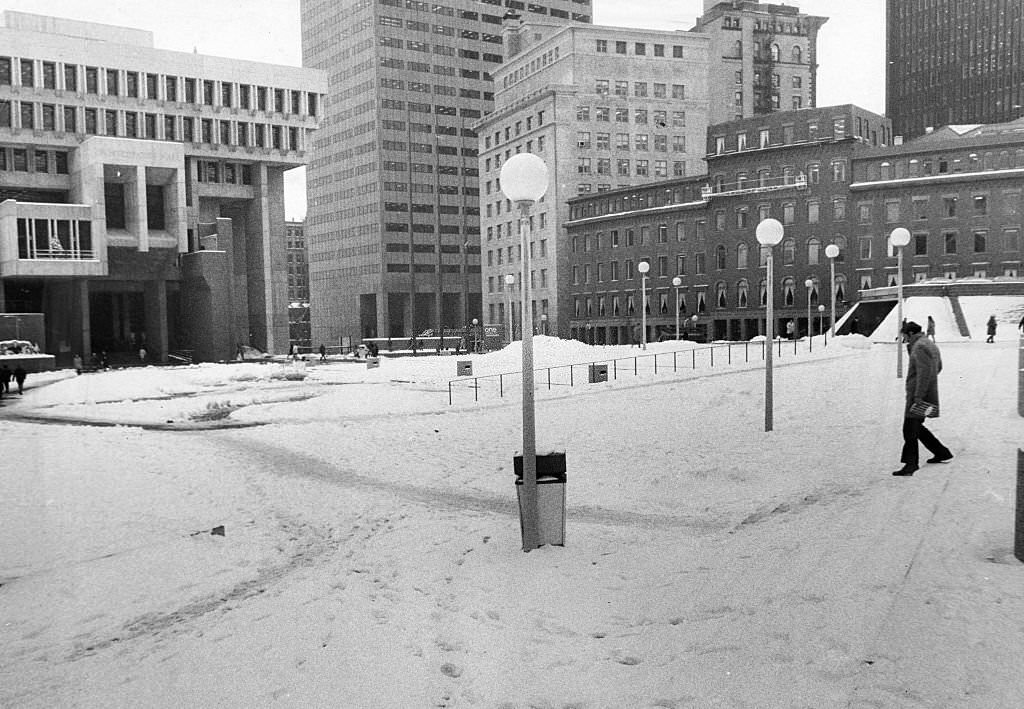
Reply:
x=604, y=107
x=298, y=287
x=952, y=63
x=763, y=58
x=141, y=189
x=393, y=226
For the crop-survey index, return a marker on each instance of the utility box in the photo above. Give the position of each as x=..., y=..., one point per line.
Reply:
x=372, y=362
x=465, y=368
x=550, y=496
x=598, y=373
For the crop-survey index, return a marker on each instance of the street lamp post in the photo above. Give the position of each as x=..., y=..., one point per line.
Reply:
x=899, y=237
x=821, y=323
x=808, y=284
x=643, y=267
x=677, y=281
x=524, y=180
x=510, y=281
x=832, y=251
x=769, y=233
x=476, y=339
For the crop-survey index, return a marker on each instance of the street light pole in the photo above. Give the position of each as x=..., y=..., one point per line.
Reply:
x=524, y=180
x=821, y=323
x=643, y=267
x=769, y=233
x=810, y=329
x=832, y=251
x=899, y=237
x=677, y=281
x=510, y=281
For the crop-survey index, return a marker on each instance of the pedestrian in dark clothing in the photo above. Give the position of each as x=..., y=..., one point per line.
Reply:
x=1020, y=325
x=323, y=353
x=922, y=386
x=19, y=376
x=930, y=331
x=990, y=328
x=373, y=349
x=5, y=379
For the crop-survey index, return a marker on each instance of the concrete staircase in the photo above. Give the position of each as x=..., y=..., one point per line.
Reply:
x=958, y=315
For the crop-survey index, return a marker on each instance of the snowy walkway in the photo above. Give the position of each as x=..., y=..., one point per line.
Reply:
x=375, y=562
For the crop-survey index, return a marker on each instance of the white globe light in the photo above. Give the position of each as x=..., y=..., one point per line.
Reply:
x=769, y=232
x=899, y=236
x=509, y=279
x=821, y=308
x=677, y=281
x=808, y=283
x=831, y=250
x=643, y=267
x=524, y=178
x=694, y=318
x=475, y=321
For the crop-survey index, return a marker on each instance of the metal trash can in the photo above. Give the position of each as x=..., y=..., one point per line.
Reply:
x=464, y=368
x=550, y=496
x=372, y=362
x=598, y=373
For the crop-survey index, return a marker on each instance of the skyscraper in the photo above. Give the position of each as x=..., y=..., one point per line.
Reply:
x=951, y=62
x=393, y=227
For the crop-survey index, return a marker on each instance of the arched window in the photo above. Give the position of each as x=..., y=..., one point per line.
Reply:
x=788, y=291
x=840, y=241
x=815, y=288
x=841, y=288
x=720, y=257
x=763, y=293
x=741, y=256
x=738, y=52
x=886, y=171
x=775, y=53
x=742, y=289
x=789, y=250
x=682, y=302
x=721, y=294
x=630, y=305
x=813, y=251
x=797, y=54
x=702, y=305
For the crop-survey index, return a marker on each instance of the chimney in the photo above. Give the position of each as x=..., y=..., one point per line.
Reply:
x=511, y=34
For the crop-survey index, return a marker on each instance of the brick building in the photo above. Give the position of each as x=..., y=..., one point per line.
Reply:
x=298, y=287
x=141, y=189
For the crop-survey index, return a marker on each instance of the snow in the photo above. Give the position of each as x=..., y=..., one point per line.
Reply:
x=371, y=554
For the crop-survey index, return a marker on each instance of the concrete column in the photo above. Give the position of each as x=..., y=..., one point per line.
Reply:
x=156, y=319
x=83, y=326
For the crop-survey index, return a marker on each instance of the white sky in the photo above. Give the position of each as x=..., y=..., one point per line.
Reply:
x=851, y=46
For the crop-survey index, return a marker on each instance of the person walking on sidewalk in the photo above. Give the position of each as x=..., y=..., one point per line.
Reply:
x=922, y=387
x=19, y=377
x=990, y=328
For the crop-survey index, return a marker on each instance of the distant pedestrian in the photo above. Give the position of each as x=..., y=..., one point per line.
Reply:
x=855, y=327
x=142, y=354
x=990, y=328
x=930, y=329
x=790, y=330
x=922, y=400
x=1020, y=325
x=414, y=344
x=323, y=353
x=372, y=349
x=19, y=376
x=76, y=362
x=5, y=379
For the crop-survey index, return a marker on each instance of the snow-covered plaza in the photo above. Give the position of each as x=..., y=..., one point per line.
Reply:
x=371, y=548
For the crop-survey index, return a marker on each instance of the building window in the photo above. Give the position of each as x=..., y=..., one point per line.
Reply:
x=865, y=247
x=921, y=244
x=980, y=204
x=813, y=252
x=789, y=251
x=949, y=241
x=949, y=207
x=980, y=241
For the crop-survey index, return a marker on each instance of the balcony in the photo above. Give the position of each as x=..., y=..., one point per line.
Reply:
x=758, y=186
x=49, y=240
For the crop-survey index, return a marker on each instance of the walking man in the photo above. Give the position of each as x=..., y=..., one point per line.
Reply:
x=922, y=401
x=19, y=377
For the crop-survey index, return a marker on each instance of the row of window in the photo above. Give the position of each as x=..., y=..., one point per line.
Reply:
x=439, y=109
x=496, y=257
x=659, y=118
x=623, y=141
x=602, y=46
x=423, y=87
x=763, y=177
x=940, y=165
x=427, y=168
x=445, y=10
x=950, y=206
x=137, y=84
x=26, y=160
x=517, y=127
x=774, y=25
x=229, y=173
x=133, y=124
x=496, y=284
x=809, y=131
x=444, y=50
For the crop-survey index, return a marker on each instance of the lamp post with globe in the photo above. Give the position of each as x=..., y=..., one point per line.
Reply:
x=899, y=237
x=821, y=323
x=809, y=284
x=769, y=233
x=643, y=267
x=524, y=180
x=677, y=281
x=832, y=251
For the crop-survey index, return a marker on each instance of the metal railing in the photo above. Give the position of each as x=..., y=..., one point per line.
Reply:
x=566, y=374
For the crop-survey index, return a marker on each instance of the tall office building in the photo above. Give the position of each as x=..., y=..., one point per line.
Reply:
x=142, y=190
x=604, y=107
x=764, y=58
x=393, y=223
x=952, y=62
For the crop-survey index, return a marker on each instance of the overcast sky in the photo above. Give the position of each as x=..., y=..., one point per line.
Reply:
x=851, y=46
